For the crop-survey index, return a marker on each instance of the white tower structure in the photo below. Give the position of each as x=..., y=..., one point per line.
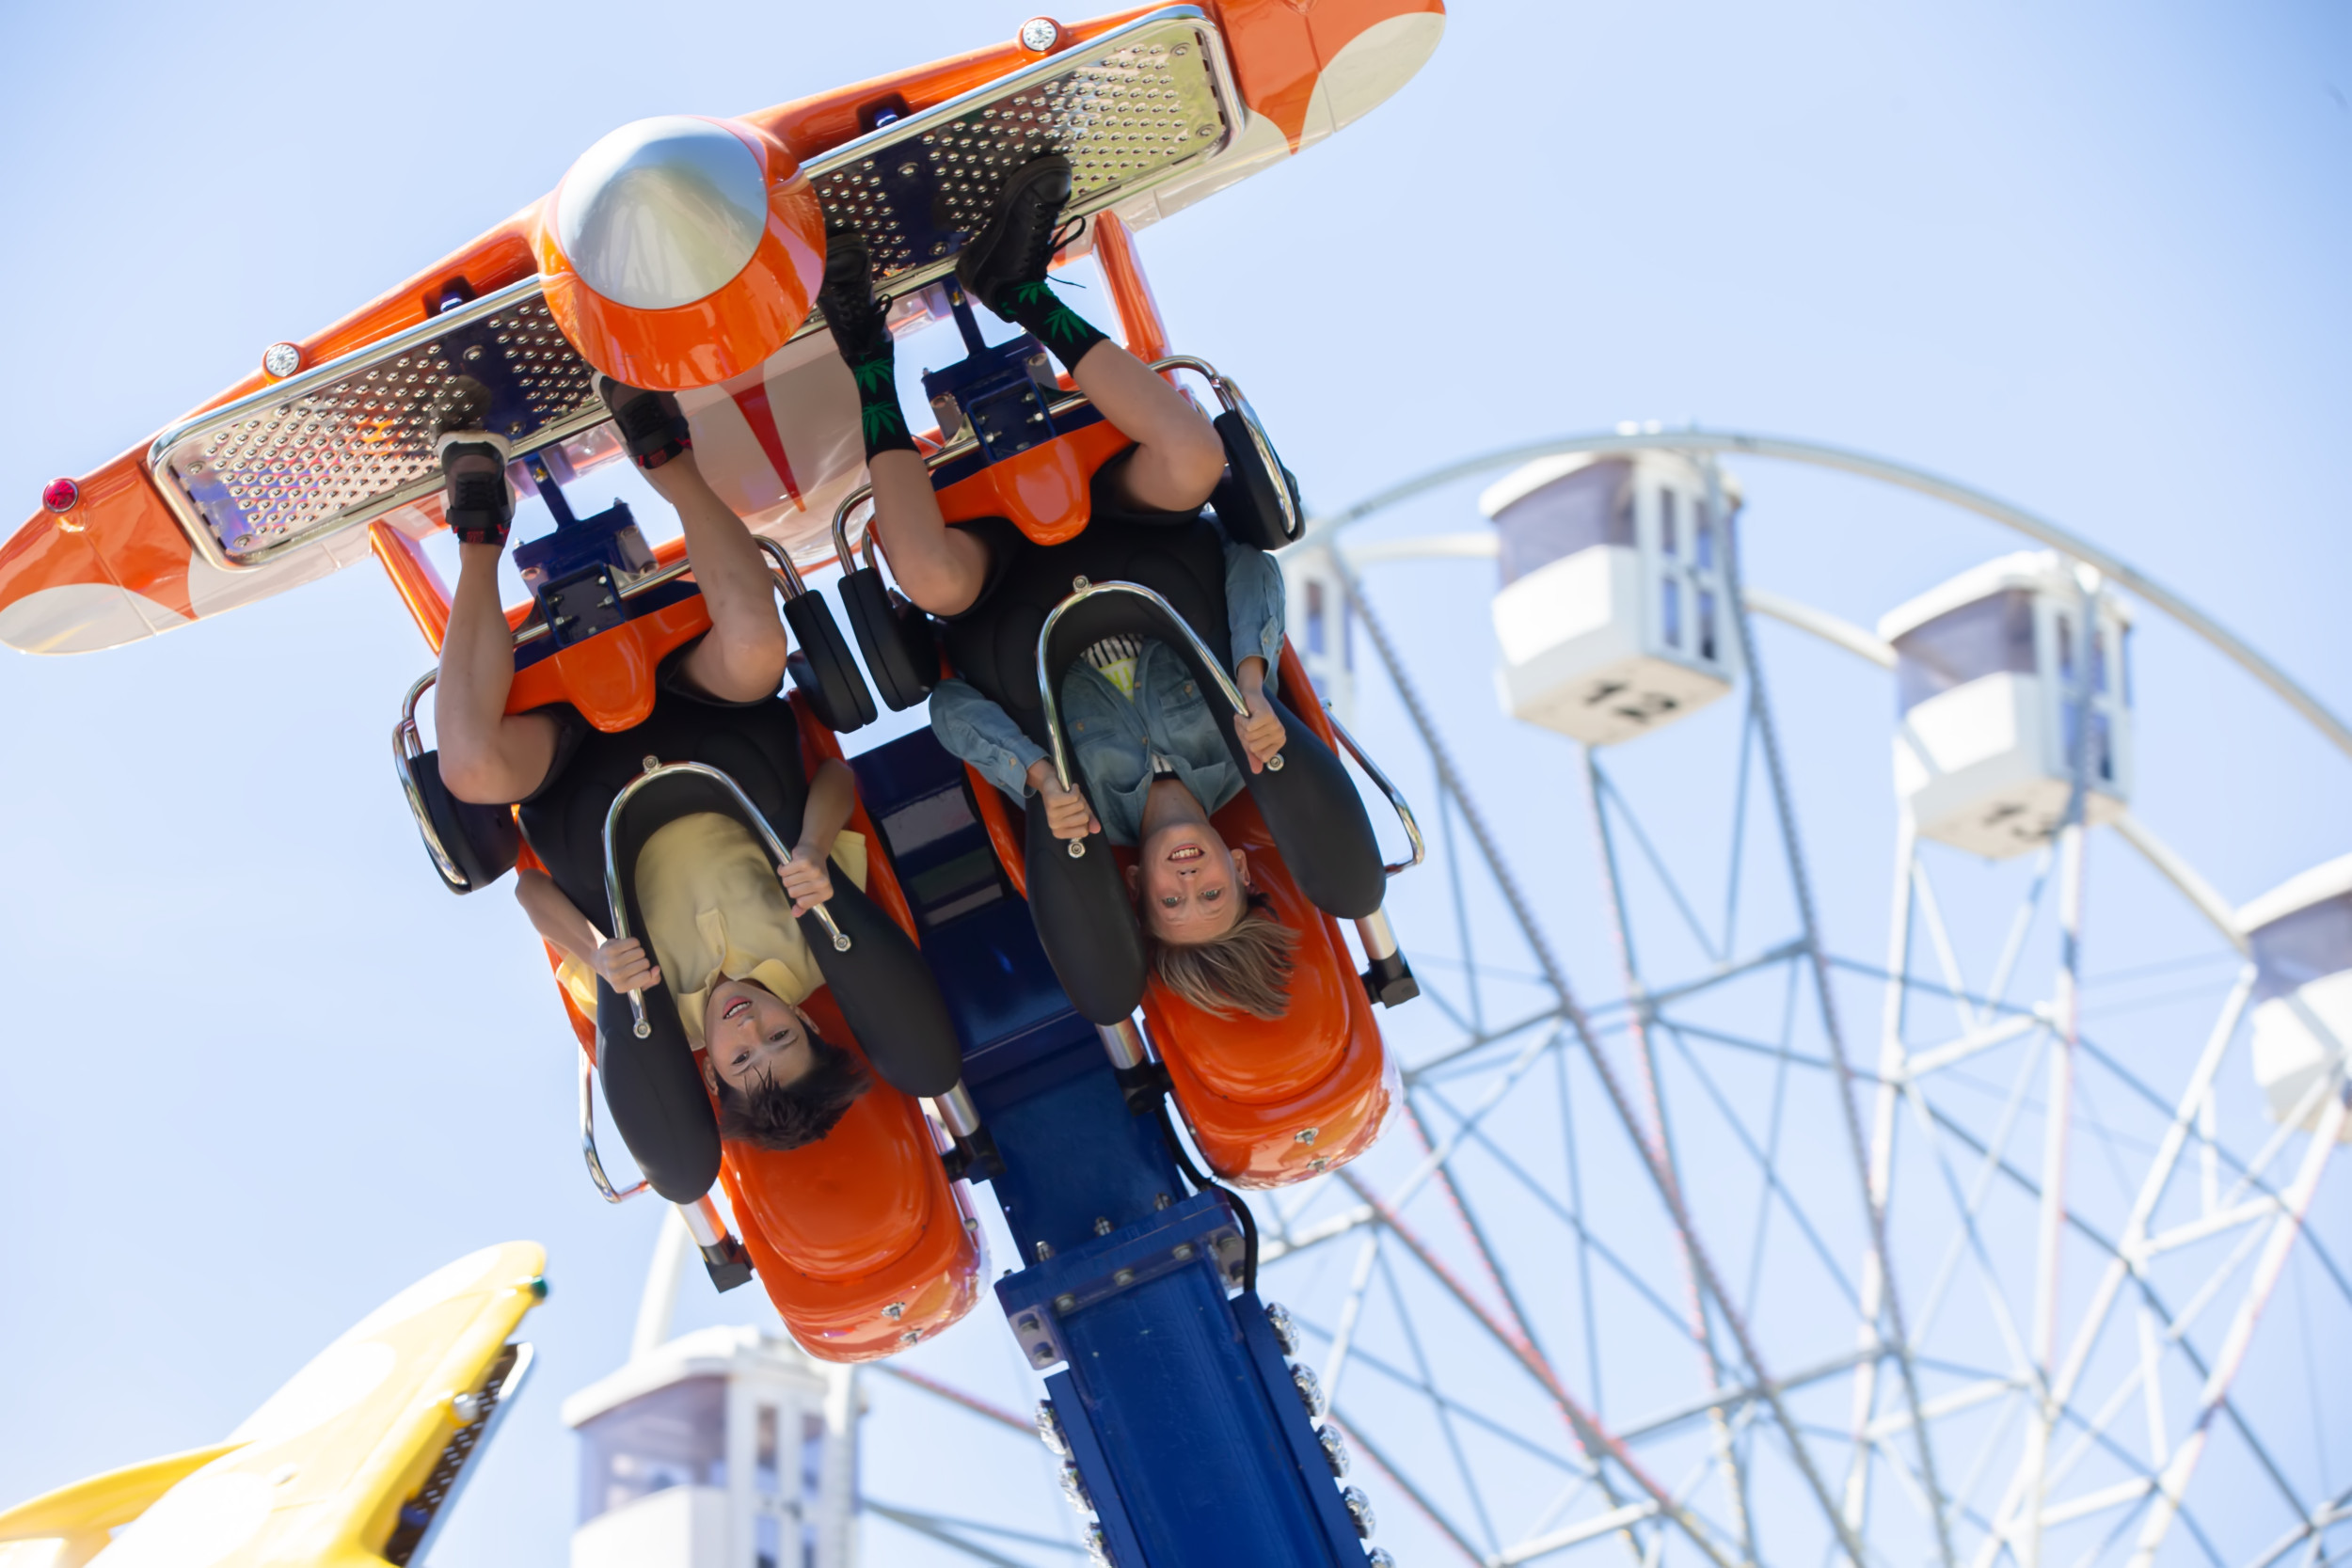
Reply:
x=2301, y=936
x=725, y=1448
x=1321, y=628
x=1988, y=682
x=1612, y=616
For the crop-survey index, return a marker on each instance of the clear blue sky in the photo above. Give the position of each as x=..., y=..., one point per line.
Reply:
x=257, y=1072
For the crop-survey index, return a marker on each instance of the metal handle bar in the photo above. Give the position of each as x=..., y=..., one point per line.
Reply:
x=613, y=871
x=408, y=746
x=588, y=1139
x=1228, y=393
x=1396, y=796
x=1053, y=707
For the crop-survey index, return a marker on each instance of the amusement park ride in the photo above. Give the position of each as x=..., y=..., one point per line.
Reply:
x=1193, y=1422
x=683, y=254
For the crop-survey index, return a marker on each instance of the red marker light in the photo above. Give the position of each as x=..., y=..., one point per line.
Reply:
x=59, y=495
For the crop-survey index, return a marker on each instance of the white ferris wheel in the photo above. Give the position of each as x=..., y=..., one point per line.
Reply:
x=1771, y=1188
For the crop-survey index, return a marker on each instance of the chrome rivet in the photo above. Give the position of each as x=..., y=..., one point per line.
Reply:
x=466, y=1407
x=1182, y=1253
x=1079, y=585
x=282, y=360
x=1334, y=1450
x=1044, y=1250
x=1359, y=1510
x=1277, y=1317
x=1049, y=1430
x=1123, y=1278
x=1065, y=1304
x=1310, y=1389
x=1162, y=1201
x=1102, y=1226
x=896, y=1311
x=652, y=763
x=1305, y=1135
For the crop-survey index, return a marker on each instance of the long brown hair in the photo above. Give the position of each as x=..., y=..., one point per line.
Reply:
x=1245, y=970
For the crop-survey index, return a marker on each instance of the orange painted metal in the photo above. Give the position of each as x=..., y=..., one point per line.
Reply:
x=1277, y=49
x=1043, y=490
x=861, y=1221
x=1247, y=1088
x=414, y=579
x=735, y=327
x=1270, y=1102
x=1139, y=321
x=865, y=1218
x=609, y=677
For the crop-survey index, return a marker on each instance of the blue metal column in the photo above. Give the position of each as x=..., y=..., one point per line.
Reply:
x=1187, y=1433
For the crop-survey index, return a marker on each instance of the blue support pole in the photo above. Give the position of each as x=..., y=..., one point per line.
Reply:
x=1187, y=1432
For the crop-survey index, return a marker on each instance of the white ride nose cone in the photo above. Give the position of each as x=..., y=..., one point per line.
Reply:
x=662, y=212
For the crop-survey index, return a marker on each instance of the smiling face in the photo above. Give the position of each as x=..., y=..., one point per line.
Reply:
x=753, y=1037
x=1188, y=886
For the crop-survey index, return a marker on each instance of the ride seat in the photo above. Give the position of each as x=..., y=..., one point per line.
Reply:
x=861, y=1239
x=1271, y=1102
x=862, y=1244
x=1268, y=1102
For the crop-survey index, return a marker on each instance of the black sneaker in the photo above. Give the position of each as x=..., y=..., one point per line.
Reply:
x=1018, y=244
x=859, y=317
x=651, y=426
x=476, y=500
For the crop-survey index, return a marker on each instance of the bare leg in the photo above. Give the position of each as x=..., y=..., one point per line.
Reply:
x=741, y=661
x=1178, y=457
x=941, y=568
x=488, y=755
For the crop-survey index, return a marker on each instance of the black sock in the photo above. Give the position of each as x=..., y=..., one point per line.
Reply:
x=880, y=418
x=1036, y=308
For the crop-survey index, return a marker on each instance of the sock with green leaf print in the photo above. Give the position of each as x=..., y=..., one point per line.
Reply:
x=1034, y=307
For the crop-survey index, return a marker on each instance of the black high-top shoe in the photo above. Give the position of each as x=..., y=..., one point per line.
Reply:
x=1017, y=246
x=859, y=317
x=652, y=427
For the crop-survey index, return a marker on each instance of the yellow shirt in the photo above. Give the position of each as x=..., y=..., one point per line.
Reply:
x=714, y=910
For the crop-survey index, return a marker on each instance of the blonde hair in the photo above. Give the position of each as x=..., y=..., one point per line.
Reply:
x=1246, y=968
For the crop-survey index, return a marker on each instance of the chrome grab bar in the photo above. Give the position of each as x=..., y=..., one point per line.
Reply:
x=1053, y=707
x=613, y=871
x=408, y=746
x=588, y=1139
x=1229, y=394
x=1396, y=796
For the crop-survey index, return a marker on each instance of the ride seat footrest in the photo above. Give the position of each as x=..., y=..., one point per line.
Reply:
x=729, y=1263
x=1390, y=981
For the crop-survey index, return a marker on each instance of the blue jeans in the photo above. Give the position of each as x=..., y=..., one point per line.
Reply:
x=1113, y=738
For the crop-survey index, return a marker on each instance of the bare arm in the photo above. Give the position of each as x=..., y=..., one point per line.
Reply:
x=832, y=796
x=558, y=919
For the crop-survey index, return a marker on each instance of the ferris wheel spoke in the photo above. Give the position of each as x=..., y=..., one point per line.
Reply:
x=1596, y=1442
x=1624, y=1271
x=1801, y=886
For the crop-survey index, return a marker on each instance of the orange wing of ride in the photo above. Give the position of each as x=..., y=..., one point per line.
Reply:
x=115, y=567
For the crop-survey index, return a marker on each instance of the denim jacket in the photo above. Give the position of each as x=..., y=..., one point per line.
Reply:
x=1111, y=738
